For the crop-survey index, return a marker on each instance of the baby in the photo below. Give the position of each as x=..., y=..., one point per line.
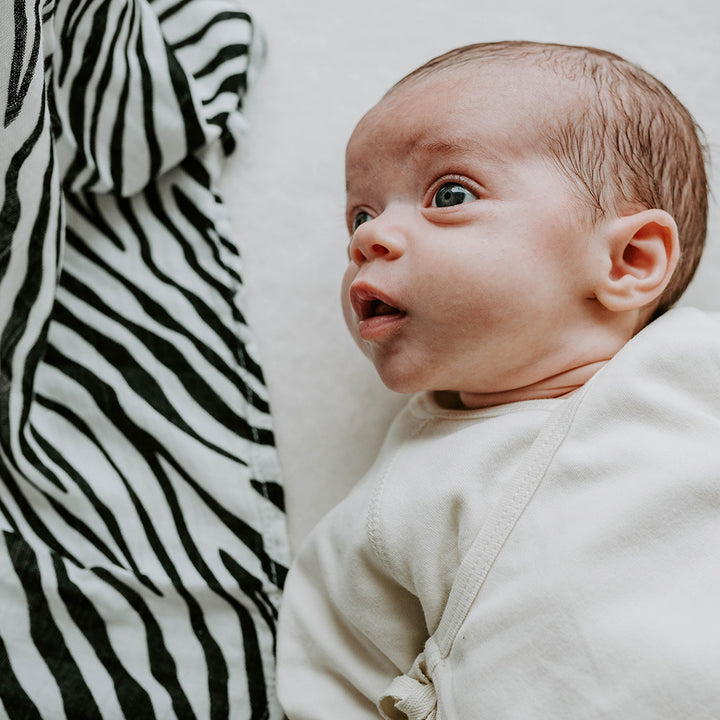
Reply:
x=539, y=536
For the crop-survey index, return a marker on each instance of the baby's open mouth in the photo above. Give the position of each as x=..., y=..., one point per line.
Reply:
x=378, y=307
x=368, y=303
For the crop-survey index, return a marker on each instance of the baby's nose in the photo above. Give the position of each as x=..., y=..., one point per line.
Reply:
x=377, y=239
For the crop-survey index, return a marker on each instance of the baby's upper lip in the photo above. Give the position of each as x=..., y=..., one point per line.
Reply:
x=367, y=301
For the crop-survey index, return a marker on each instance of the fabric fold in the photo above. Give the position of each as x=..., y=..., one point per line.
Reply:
x=142, y=545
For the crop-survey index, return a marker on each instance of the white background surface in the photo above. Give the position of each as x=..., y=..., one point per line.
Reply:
x=328, y=62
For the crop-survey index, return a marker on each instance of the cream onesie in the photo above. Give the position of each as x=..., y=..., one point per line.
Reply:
x=542, y=559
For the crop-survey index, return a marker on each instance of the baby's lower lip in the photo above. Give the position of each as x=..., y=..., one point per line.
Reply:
x=377, y=327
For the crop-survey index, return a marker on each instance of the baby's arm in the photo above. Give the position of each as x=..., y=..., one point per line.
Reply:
x=327, y=667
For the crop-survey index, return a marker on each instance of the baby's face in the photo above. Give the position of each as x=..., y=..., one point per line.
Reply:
x=470, y=267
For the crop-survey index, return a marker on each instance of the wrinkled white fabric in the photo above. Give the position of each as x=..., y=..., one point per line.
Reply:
x=558, y=558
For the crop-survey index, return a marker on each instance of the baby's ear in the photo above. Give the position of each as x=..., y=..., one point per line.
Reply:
x=643, y=251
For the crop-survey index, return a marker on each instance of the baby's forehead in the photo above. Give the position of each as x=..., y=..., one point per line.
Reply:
x=481, y=107
x=521, y=89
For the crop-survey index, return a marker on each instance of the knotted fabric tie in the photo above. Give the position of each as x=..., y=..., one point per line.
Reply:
x=411, y=696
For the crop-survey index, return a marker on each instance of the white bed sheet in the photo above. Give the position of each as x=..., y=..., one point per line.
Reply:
x=327, y=64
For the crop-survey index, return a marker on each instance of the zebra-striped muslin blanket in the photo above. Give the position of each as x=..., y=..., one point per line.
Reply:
x=142, y=541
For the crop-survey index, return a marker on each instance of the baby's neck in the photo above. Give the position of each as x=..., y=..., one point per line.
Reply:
x=556, y=386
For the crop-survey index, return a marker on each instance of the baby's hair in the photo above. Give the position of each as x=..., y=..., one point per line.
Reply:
x=627, y=143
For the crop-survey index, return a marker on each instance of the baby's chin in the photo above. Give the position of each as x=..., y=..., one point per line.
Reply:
x=406, y=381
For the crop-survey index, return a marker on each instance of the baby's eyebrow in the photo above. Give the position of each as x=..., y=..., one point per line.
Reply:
x=456, y=146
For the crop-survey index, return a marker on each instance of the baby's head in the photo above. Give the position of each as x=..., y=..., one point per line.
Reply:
x=517, y=212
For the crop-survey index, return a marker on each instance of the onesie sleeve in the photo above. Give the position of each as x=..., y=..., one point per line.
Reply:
x=346, y=627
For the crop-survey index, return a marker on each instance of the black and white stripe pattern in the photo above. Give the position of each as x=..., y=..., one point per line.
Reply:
x=142, y=536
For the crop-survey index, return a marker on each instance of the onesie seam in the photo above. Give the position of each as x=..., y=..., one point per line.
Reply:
x=373, y=522
x=480, y=559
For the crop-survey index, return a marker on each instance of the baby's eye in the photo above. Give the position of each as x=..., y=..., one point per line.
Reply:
x=450, y=194
x=362, y=217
